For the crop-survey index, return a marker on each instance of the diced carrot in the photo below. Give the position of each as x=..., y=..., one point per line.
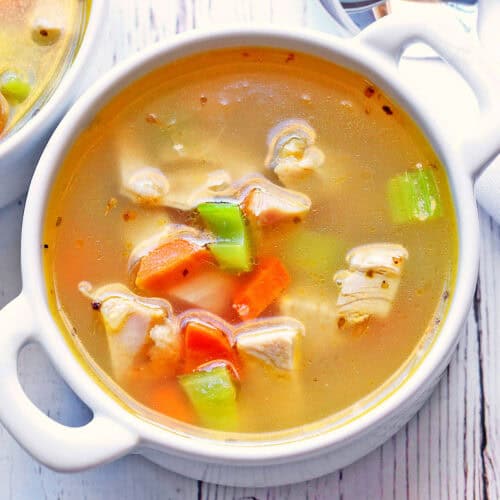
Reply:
x=169, y=264
x=262, y=287
x=169, y=398
x=203, y=343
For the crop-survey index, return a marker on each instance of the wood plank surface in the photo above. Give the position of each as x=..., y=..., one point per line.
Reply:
x=450, y=450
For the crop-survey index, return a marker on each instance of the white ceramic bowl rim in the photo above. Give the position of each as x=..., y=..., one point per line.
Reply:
x=371, y=54
x=41, y=121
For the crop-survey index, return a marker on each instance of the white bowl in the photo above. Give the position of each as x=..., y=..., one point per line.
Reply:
x=20, y=151
x=114, y=430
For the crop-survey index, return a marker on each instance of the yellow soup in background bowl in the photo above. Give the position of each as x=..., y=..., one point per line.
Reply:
x=44, y=45
x=38, y=42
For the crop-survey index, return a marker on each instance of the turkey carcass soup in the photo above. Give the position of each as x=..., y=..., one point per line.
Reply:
x=38, y=41
x=250, y=240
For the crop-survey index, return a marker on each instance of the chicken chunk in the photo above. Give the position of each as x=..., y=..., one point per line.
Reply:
x=313, y=309
x=165, y=353
x=270, y=203
x=152, y=186
x=165, y=336
x=130, y=322
x=383, y=258
x=317, y=311
x=147, y=186
x=369, y=286
x=217, y=184
x=186, y=188
x=292, y=153
x=272, y=340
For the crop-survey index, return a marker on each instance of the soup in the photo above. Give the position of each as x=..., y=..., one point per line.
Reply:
x=250, y=240
x=38, y=41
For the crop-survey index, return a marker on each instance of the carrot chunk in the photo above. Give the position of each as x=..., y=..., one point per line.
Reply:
x=169, y=264
x=262, y=287
x=205, y=343
x=168, y=398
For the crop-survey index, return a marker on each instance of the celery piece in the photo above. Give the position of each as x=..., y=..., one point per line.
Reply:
x=232, y=246
x=213, y=396
x=224, y=219
x=232, y=257
x=14, y=87
x=414, y=196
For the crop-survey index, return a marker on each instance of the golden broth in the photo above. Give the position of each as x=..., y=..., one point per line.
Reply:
x=30, y=51
x=218, y=107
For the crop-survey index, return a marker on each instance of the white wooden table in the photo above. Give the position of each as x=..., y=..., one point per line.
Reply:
x=451, y=449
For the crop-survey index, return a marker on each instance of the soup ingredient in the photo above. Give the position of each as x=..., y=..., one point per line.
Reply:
x=274, y=341
x=213, y=396
x=370, y=285
x=164, y=336
x=311, y=308
x=161, y=356
x=169, y=398
x=203, y=343
x=292, y=153
x=128, y=320
x=414, y=196
x=148, y=185
x=231, y=256
x=4, y=112
x=210, y=289
x=45, y=32
x=217, y=183
x=225, y=220
x=271, y=204
x=261, y=288
x=14, y=87
x=187, y=185
x=170, y=263
x=232, y=246
x=168, y=234
x=384, y=258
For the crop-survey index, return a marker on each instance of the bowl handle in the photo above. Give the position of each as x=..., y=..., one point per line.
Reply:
x=58, y=446
x=392, y=34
